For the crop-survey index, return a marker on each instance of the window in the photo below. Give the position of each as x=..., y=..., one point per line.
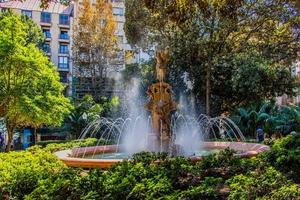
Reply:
x=118, y=11
x=46, y=48
x=47, y=33
x=28, y=13
x=63, y=48
x=63, y=62
x=63, y=77
x=63, y=35
x=45, y=17
x=64, y=19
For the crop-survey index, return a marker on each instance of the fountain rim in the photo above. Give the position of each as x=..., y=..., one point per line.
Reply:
x=67, y=156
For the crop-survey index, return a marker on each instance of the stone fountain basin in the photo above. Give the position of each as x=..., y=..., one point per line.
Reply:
x=73, y=157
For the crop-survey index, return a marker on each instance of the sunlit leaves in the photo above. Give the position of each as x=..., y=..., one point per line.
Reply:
x=31, y=93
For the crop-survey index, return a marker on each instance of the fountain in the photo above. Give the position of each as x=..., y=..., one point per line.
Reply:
x=160, y=106
x=162, y=131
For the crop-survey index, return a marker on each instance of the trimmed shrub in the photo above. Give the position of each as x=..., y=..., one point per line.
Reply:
x=285, y=156
x=265, y=184
x=20, y=172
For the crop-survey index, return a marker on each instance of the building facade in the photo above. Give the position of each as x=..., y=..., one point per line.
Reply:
x=107, y=84
x=285, y=99
x=56, y=23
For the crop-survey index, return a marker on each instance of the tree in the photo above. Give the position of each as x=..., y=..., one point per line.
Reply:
x=30, y=94
x=86, y=110
x=95, y=44
x=248, y=79
x=201, y=33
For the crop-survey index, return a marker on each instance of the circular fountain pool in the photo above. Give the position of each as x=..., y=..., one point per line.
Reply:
x=106, y=156
x=124, y=155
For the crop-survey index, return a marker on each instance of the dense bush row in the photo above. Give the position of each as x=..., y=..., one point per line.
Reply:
x=37, y=174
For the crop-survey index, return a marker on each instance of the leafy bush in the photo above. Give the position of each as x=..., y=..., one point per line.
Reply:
x=20, y=172
x=52, y=147
x=285, y=156
x=208, y=189
x=59, y=186
x=273, y=119
x=46, y=142
x=37, y=174
x=225, y=164
x=86, y=110
x=266, y=184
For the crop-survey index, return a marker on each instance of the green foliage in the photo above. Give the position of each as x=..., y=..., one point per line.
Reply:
x=251, y=78
x=147, y=158
x=53, y=147
x=145, y=72
x=285, y=156
x=46, y=142
x=225, y=165
x=58, y=186
x=87, y=110
x=37, y=174
x=20, y=172
x=274, y=120
x=265, y=184
x=27, y=172
x=30, y=94
x=221, y=46
x=206, y=190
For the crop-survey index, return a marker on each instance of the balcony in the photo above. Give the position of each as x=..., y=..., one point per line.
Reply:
x=47, y=36
x=63, y=51
x=45, y=19
x=64, y=21
x=64, y=38
x=63, y=66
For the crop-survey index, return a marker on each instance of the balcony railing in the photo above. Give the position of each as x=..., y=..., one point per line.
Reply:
x=63, y=66
x=47, y=35
x=64, y=51
x=63, y=36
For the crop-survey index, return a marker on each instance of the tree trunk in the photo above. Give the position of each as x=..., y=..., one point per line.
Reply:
x=209, y=68
x=208, y=88
x=10, y=132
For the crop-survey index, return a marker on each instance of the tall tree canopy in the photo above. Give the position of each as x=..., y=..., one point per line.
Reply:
x=203, y=34
x=95, y=43
x=30, y=91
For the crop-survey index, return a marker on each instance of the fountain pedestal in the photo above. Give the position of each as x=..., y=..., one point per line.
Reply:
x=160, y=106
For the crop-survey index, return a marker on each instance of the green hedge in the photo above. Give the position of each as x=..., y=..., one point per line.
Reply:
x=21, y=171
x=46, y=142
x=61, y=145
x=38, y=174
x=285, y=156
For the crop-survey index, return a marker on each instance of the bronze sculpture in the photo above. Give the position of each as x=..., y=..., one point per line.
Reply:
x=160, y=106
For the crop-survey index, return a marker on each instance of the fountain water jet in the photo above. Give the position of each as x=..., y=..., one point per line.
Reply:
x=161, y=131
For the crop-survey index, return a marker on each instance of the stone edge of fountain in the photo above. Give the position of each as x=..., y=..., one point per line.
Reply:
x=245, y=150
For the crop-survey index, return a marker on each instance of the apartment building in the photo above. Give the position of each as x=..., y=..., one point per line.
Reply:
x=107, y=87
x=284, y=99
x=119, y=16
x=56, y=23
